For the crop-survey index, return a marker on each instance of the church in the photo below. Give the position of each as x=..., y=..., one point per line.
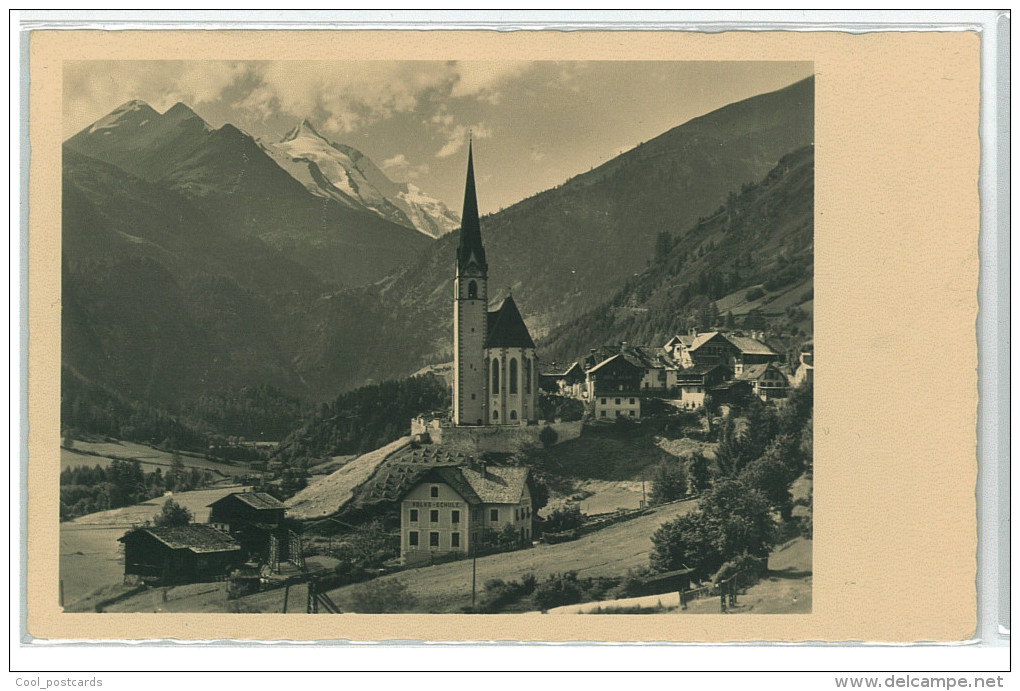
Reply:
x=495, y=369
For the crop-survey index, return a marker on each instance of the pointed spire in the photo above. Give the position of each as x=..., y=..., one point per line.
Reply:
x=470, y=228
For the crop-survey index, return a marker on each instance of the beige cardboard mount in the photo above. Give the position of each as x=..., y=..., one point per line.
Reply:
x=896, y=272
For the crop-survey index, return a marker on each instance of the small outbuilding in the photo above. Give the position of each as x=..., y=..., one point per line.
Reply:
x=256, y=521
x=180, y=554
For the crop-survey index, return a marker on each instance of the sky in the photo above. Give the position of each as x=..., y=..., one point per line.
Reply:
x=534, y=124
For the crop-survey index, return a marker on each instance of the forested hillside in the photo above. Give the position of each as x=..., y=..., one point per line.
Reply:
x=759, y=244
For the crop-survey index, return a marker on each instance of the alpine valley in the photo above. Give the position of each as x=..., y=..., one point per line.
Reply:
x=198, y=261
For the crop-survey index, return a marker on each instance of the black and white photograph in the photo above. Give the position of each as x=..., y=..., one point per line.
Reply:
x=437, y=337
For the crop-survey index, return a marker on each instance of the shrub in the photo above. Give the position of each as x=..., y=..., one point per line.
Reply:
x=687, y=541
x=753, y=294
x=173, y=514
x=558, y=590
x=750, y=567
x=699, y=474
x=669, y=482
x=548, y=436
x=565, y=518
x=498, y=595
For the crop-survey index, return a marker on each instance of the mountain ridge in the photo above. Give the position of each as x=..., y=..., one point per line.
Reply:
x=256, y=280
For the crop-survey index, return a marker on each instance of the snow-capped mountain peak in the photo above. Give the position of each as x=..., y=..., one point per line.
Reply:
x=340, y=172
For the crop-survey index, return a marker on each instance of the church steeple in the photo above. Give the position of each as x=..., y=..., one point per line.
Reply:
x=470, y=229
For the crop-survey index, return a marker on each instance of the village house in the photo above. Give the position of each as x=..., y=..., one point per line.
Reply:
x=565, y=382
x=768, y=382
x=453, y=510
x=256, y=520
x=180, y=554
x=733, y=350
x=614, y=387
x=696, y=381
x=805, y=373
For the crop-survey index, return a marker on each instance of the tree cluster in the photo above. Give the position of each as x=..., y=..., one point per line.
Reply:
x=364, y=419
x=754, y=470
x=85, y=489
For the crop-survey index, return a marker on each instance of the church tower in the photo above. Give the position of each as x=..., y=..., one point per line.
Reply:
x=470, y=312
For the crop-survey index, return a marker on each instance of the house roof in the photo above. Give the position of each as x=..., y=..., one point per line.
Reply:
x=753, y=372
x=618, y=358
x=499, y=484
x=507, y=328
x=702, y=339
x=749, y=345
x=256, y=500
x=559, y=373
x=197, y=537
x=643, y=357
x=695, y=374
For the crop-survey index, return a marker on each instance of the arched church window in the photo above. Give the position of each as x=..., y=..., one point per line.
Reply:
x=495, y=375
x=495, y=415
x=472, y=290
x=513, y=414
x=527, y=375
x=513, y=375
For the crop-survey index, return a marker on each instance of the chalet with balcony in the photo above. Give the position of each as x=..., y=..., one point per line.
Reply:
x=768, y=382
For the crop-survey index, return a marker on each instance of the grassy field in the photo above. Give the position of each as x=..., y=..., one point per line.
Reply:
x=102, y=453
x=91, y=557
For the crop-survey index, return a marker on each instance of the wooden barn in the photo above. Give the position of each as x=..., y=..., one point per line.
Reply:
x=256, y=520
x=180, y=554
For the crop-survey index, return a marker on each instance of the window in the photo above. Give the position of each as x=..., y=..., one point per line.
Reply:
x=472, y=290
x=517, y=515
x=434, y=516
x=494, y=515
x=632, y=413
x=632, y=401
x=603, y=401
x=455, y=517
x=527, y=375
x=414, y=516
x=454, y=539
x=495, y=375
x=646, y=385
x=412, y=538
x=513, y=414
x=513, y=375
x=433, y=539
x=434, y=491
x=472, y=397
x=617, y=401
x=495, y=415
x=603, y=413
